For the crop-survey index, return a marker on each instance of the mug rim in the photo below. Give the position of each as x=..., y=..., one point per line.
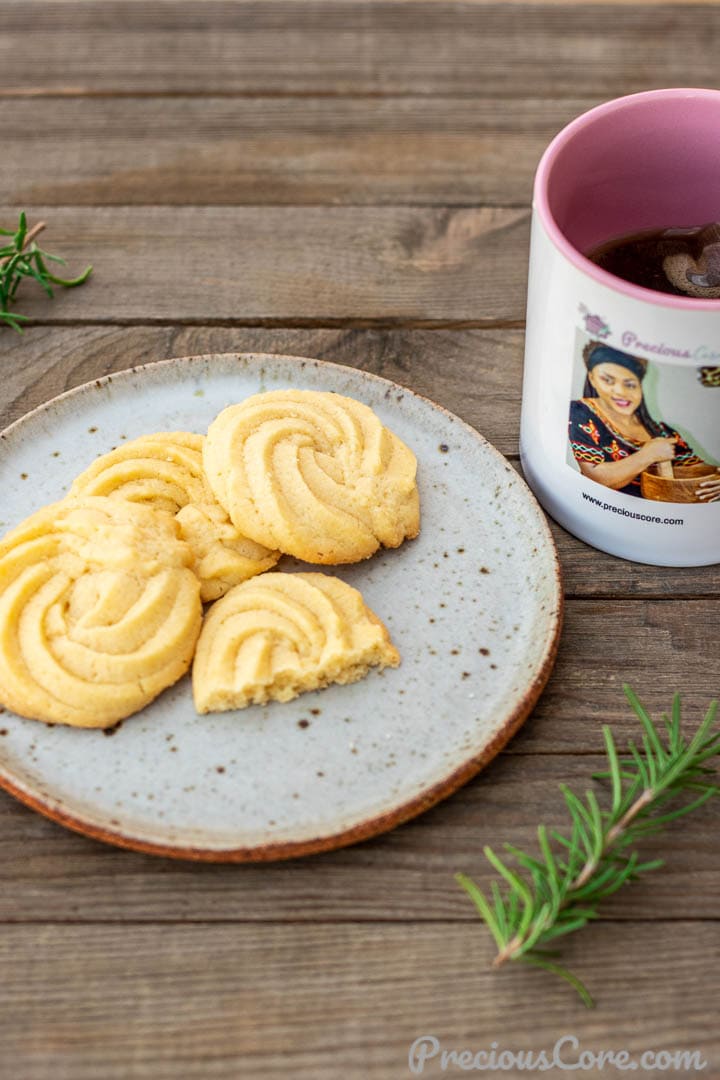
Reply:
x=542, y=205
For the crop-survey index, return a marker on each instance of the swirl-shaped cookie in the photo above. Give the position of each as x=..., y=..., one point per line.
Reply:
x=278, y=635
x=166, y=471
x=99, y=611
x=163, y=470
x=313, y=474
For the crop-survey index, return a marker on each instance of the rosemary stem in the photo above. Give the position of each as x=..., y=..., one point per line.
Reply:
x=559, y=891
x=31, y=234
x=643, y=800
x=507, y=952
x=612, y=835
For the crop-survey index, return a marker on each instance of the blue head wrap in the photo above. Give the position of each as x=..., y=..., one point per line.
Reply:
x=605, y=354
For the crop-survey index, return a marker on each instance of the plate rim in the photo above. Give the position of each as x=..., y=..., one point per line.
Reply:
x=380, y=823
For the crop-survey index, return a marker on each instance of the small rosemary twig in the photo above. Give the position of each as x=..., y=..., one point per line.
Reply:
x=30, y=236
x=559, y=892
x=22, y=258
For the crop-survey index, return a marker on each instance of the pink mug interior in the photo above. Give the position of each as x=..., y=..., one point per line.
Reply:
x=647, y=161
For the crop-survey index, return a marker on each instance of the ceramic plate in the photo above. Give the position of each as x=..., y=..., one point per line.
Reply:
x=473, y=604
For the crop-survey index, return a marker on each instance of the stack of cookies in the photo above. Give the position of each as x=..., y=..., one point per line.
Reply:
x=101, y=594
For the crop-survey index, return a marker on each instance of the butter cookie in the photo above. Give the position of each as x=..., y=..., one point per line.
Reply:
x=165, y=471
x=99, y=611
x=313, y=474
x=279, y=635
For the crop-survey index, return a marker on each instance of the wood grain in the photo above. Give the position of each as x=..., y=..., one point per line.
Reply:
x=219, y=151
x=370, y=47
x=287, y=263
x=331, y=179
x=474, y=373
x=200, y=1002
x=658, y=647
x=52, y=875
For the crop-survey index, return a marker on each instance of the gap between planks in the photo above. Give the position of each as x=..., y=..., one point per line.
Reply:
x=326, y=920
x=276, y=95
x=293, y=323
x=594, y=597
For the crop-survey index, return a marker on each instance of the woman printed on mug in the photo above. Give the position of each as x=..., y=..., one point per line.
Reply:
x=613, y=436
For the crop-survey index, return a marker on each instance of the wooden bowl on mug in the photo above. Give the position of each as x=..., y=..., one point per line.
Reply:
x=681, y=487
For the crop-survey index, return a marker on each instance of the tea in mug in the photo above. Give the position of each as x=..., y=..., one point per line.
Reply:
x=683, y=262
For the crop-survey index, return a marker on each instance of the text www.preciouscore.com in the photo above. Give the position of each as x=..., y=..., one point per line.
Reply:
x=632, y=513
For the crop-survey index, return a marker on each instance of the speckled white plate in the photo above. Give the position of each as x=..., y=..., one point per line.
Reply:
x=474, y=606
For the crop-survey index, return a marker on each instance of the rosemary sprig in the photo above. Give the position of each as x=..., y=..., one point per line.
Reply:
x=560, y=890
x=22, y=258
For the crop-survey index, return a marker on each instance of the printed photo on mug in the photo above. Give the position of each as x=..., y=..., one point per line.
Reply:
x=640, y=427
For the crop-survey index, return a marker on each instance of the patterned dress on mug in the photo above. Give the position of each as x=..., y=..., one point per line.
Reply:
x=595, y=440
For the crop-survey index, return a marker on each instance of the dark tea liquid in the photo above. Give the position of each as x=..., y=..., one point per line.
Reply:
x=682, y=262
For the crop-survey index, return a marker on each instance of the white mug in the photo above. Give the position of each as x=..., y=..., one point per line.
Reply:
x=647, y=161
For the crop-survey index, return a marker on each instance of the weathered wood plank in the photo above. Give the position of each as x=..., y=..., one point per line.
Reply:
x=287, y=263
x=225, y=1002
x=219, y=151
x=476, y=374
x=247, y=46
x=658, y=647
x=50, y=874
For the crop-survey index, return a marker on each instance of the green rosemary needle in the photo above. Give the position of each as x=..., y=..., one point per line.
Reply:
x=22, y=258
x=664, y=777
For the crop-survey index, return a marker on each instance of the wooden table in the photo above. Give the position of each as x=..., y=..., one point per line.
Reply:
x=349, y=181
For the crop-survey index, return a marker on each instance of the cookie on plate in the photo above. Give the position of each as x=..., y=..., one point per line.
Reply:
x=99, y=611
x=279, y=635
x=162, y=470
x=165, y=471
x=222, y=557
x=313, y=474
